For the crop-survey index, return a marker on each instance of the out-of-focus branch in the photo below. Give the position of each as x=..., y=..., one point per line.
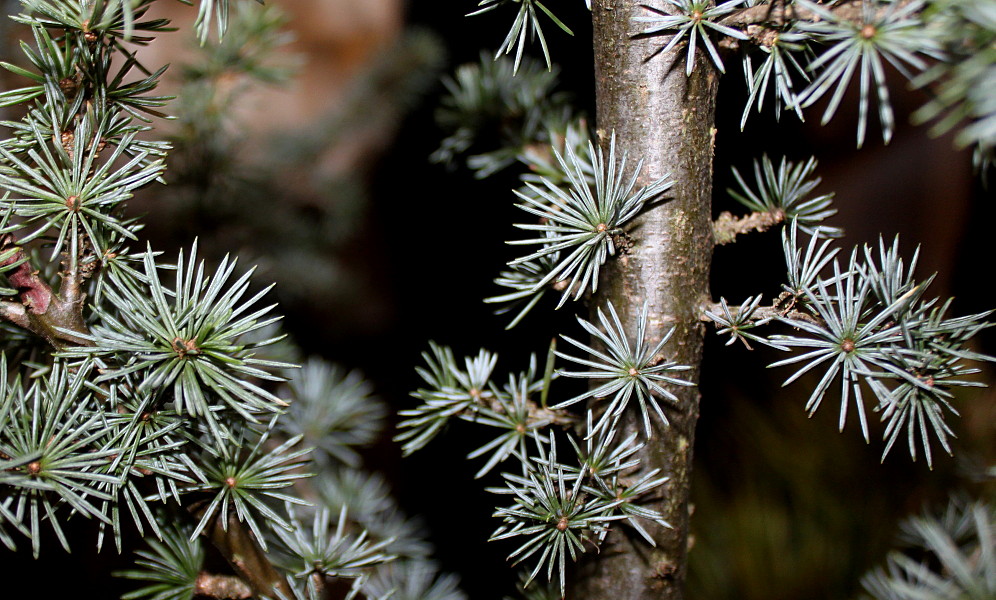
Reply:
x=783, y=308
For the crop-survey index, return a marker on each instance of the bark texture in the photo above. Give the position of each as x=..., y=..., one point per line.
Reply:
x=660, y=114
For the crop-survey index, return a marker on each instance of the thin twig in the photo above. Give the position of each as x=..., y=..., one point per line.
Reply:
x=75, y=272
x=536, y=412
x=777, y=13
x=727, y=227
x=776, y=311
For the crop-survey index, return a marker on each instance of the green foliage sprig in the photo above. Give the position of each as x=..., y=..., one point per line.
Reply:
x=887, y=31
x=68, y=191
x=339, y=413
x=514, y=417
x=779, y=70
x=966, y=31
x=581, y=223
x=785, y=193
x=960, y=559
x=144, y=404
x=242, y=483
x=628, y=370
x=313, y=551
x=412, y=580
x=803, y=269
x=850, y=340
x=526, y=280
x=56, y=449
x=527, y=24
x=490, y=99
x=694, y=19
x=590, y=494
x=450, y=392
x=553, y=514
x=172, y=567
x=739, y=321
x=867, y=325
x=191, y=343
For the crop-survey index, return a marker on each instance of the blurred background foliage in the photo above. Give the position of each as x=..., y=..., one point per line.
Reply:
x=303, y=143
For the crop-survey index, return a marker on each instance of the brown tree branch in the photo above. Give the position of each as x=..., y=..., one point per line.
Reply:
x=35, y=294
x=782, y=307
x=778, y=13
x=727, y=227
x=318, y=581
x=537, y=413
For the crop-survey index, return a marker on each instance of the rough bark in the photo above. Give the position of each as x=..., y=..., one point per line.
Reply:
x=240, y=548
x=660, y=114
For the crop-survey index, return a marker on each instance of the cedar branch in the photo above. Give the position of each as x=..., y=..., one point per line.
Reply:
x=222, y=587
x=727, y=227
x=778, y=13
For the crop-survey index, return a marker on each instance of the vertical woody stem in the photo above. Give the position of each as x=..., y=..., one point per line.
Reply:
x=665, y=117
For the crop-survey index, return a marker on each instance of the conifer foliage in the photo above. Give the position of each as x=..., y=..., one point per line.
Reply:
x=139, y=392
x=857, y=323
x=145, y=393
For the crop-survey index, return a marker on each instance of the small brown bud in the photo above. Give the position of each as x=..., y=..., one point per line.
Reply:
x=847, y=345
x=563, y=523
x=184, y=347
x=34, y=467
